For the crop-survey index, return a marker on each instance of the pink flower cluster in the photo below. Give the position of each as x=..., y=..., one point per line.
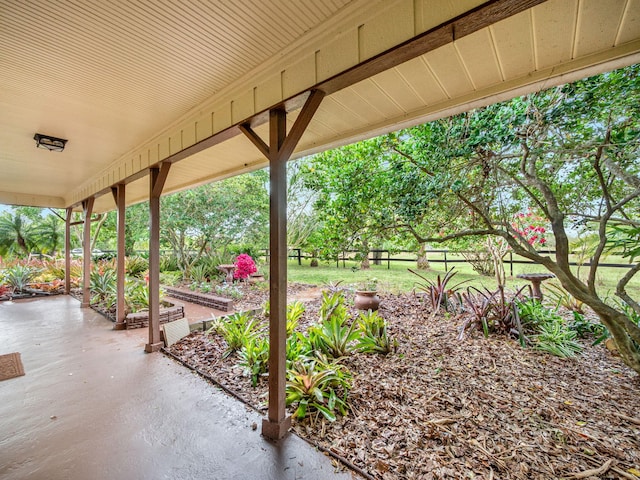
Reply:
x=530, y=227
x=245, y=266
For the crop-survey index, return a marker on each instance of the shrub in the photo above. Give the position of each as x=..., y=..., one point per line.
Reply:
x=245, y=266
x=333, y=336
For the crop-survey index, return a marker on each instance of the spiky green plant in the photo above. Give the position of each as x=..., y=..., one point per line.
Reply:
x=374, y=337
x=237, y=329
x=295, y=311
x=298, y=346
x=254, y=357
x=333, y=336
x=318, y=386
x=18, y=276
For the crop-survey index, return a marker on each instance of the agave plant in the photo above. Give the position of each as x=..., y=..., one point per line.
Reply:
x=315, y=385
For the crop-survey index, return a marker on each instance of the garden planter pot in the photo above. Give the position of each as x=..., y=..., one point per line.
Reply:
x=367, y=300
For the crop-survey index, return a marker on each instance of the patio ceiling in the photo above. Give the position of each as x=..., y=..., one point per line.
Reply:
x=131, y=84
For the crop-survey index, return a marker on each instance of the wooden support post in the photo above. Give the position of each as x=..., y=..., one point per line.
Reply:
x=279, y=150
x=119, y=197
x=87, y=208
x=67, y=252
x=157, y=177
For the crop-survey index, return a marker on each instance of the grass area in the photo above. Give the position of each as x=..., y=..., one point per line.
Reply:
x=398, y=279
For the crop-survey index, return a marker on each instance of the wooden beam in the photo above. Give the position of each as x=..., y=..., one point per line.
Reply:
x=87, y=208
x=255, y=139
x=302, y=122
x=279, y=150
x=277, y=424
x=157, y=178
x=119, y=197
x=160, y=180
x=67, y=251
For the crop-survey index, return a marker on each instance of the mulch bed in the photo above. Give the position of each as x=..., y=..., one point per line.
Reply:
x=478, y=408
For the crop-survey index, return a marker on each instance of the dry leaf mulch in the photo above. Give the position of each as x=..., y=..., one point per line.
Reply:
x=440, y=408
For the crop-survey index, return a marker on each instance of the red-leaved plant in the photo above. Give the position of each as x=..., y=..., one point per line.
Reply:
x=245, y=266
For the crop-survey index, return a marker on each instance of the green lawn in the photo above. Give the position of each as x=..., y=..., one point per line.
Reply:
x=399, y=279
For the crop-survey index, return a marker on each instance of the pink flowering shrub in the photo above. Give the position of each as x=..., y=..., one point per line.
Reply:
x=531, y=227
x=245, y=266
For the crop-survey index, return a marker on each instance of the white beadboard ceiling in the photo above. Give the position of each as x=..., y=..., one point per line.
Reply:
x=112, y=77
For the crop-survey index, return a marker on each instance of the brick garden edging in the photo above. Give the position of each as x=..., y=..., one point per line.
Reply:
x=204, y=299
x=141, y=319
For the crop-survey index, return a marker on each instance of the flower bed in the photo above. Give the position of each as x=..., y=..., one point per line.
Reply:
x=439, y=407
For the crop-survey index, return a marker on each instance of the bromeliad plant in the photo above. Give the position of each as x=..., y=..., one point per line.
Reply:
x=318, y=387
x=102, y=284
x=440, y=293
x=333, y=336
x=19, y=276
x=493, y=312
x=549, y=331
x=374, y=337
x=295, y=311
x=254, y=357
x=237, y=329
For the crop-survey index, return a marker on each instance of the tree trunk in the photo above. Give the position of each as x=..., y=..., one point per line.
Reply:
x=423, y=261
x=623, y=331
x=365, y=265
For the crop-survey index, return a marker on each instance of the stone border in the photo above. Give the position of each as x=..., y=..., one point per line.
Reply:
x=141, y=319
x=204, y=299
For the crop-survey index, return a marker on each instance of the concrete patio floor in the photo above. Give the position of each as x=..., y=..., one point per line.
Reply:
x=94, y=406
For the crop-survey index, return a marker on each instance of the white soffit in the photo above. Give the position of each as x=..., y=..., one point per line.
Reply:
x=132, y=74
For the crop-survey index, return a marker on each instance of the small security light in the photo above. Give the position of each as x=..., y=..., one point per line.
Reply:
x=52, y=144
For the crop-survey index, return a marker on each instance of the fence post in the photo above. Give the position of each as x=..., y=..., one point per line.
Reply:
x=446, y=268
x=299, y=256
x=344, y=265
x=511, y=263
x=388, y=260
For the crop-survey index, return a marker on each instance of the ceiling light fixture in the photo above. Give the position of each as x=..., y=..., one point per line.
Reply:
x=52, y=144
